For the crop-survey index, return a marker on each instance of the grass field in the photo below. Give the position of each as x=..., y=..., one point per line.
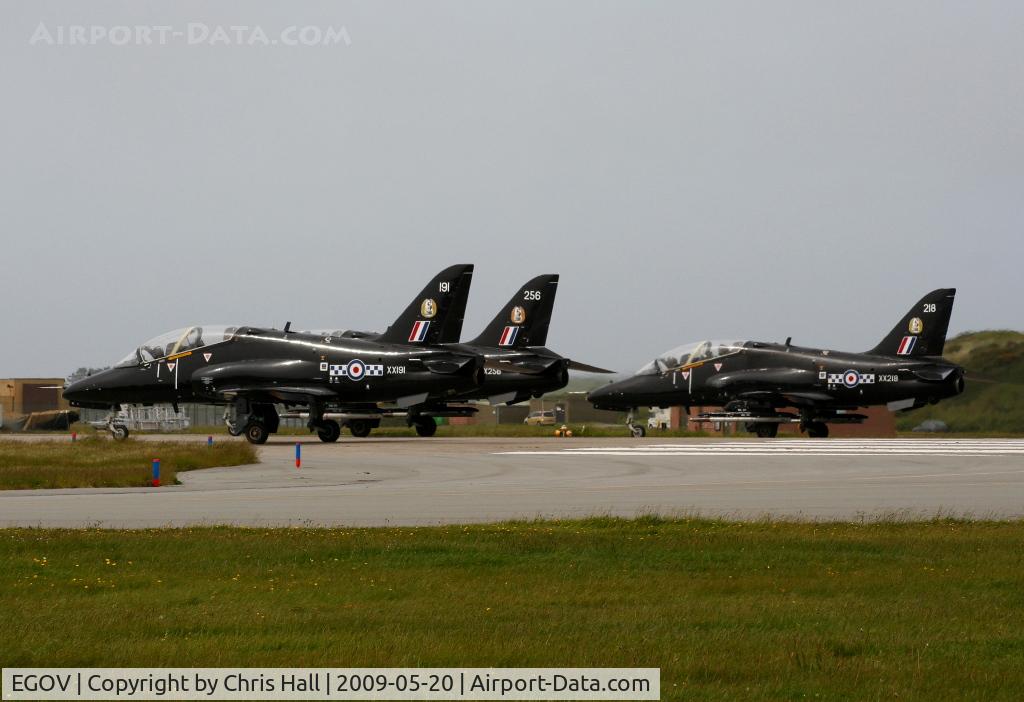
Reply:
x=94, y=462
x=726, y=610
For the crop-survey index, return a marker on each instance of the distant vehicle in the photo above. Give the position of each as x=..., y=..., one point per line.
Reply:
x=660, y=418
x=752, y=380
x=540, y=418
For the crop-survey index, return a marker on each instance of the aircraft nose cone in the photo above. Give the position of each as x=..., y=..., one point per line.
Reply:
x=73, y=390
x=92, y=390
x=79, y=391
x=608, y=397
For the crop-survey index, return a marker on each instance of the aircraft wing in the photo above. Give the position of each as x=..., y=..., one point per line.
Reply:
x=534, y=364
x=794, y=398
x=530, y=365
x=279, y=392
x=772, y=383
x=753, y=379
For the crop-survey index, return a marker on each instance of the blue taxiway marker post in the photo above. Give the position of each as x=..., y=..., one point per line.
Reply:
x=156, y=472
x=209, y=440
x=298, y=455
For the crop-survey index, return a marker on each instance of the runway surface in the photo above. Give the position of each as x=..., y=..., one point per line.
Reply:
x=383, y=482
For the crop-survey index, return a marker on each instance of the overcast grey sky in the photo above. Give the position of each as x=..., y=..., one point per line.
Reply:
x=714, y=169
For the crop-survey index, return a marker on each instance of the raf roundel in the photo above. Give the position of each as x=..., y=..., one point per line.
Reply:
x=518, y=315
x=916, y=326
x=851, y=378
x=356, y=369
x=428, y=308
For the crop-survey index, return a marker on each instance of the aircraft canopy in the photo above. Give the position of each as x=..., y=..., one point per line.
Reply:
x=689, y=353
x=177, y=341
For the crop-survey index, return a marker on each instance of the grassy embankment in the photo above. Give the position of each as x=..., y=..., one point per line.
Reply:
x=726, y=610
x=94, y=462
x=993, y=401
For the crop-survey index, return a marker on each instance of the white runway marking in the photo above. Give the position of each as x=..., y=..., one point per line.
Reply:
x=803, y=447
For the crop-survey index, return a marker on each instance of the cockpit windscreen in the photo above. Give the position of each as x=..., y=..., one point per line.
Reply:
x=177, y=341
x=689, y=353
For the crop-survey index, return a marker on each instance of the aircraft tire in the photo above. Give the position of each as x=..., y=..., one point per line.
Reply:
x=256, y=433
x=767, y=430
x=817, y=430
x=119, y=432
x=329, y=431
x=426, y=426
x=360, y=428
x=638, y=432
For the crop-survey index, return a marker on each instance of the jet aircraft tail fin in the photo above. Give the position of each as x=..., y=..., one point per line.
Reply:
x=435, y=316
x=922, y=331
x=524, y=319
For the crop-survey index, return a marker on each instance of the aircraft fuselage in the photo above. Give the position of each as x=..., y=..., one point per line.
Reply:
x=774, y=375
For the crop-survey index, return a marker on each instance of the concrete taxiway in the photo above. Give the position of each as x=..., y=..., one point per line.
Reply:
x=386, y=482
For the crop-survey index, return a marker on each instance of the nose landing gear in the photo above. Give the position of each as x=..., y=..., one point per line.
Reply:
x=637, y=431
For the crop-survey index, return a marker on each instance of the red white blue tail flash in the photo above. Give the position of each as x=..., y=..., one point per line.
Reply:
x=419, y=331
x=906, y=346
x=508, y=337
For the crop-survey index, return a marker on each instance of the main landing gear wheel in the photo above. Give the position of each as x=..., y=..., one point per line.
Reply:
x=328, y=431
x=360, y=428
x=637, y=431
x=767, y=430
x=426, y=426
x=256, y=433
x=817, y=430
x=118, y=432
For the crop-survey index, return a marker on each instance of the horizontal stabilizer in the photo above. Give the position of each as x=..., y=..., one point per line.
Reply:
x=584, y=368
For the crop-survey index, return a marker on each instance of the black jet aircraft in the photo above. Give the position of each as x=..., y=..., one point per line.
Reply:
x=251, y=369
x=518, y=366
x=752, y=381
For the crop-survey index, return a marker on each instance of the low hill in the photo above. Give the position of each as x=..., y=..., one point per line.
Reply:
x=994, y=398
